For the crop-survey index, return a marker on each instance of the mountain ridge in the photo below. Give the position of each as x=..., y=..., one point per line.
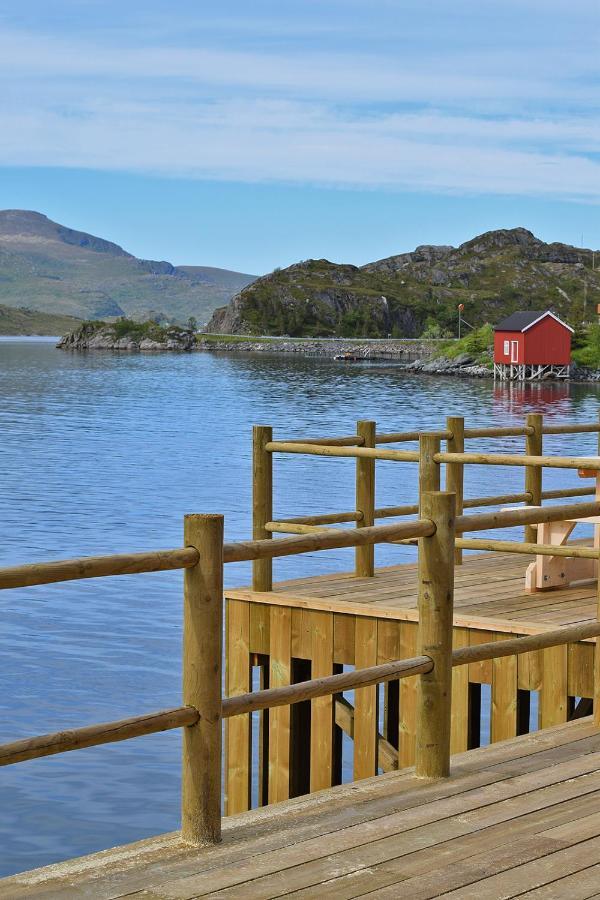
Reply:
x=60, y=270
x=492, y=274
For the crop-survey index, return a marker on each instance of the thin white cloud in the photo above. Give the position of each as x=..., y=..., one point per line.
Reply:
x=408, y=120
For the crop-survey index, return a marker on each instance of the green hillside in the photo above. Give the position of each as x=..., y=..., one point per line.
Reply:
x=31, y=321
x=46, y=266
x=403, y=296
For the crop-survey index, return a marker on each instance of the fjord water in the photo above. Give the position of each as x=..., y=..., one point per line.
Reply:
x=105, y=453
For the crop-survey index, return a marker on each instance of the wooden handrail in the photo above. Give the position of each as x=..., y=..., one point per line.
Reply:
x=324, y=518
x=162, y=560
x=350, y=452
x=530, y=549
x=529, y=515
x=296, y=528
x=514, y=459
x=571, y=429
x=352, y=440
x=569, y=634
x=410, y=509
x=185, y=716
x=93, y=735
x=97, y=567
x=508, y=431
x=399, y=437
x=326, y=540
x=323, y=687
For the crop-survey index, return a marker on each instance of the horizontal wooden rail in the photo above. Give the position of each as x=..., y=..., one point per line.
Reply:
x=325, y=518
x=350, y=452
x=528, y=515
x=514, y=459
x=386, y=512
x=352, y=440
x=326, y=540
x=571, y=429
x=398, y=437
x=569, y=634
x=500, y=431
x=296, y=528
x=568, y=492
x=334, y=539
x=473, y=502
x=499, y=499
x=323, y=687
x=97, y=567
x=527, y=548
x=411, y=509
x=93, y=735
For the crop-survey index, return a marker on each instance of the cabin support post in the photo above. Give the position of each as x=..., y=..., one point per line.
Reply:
x=262, y=503
x=429, y=469
x=533, y=474
x=365, y=499
x=455, y=471
x=202, y=654
x=436, y=600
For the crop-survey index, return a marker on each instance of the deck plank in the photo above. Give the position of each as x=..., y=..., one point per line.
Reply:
x=530, y=805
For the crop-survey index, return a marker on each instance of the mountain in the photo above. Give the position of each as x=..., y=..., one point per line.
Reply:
x=493, y=275
x=21, y=320
x=48, y=267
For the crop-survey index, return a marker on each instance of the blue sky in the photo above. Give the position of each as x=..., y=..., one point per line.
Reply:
x=253, y=134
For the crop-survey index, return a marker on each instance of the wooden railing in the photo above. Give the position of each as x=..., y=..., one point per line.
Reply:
x=203, y=708
x=364, y=447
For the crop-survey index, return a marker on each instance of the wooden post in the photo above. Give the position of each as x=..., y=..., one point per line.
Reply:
x=365, y=500
x=429, y=470
x=533, y=474
x=202, y=655
x=455, y=471
x=262, y=503
x=436, y=598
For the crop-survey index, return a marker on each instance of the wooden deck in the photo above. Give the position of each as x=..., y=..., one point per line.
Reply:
x=519, y=819
x=489, y=595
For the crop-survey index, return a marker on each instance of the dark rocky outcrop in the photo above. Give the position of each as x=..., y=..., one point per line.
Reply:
x=492, y=274
x=127, y=336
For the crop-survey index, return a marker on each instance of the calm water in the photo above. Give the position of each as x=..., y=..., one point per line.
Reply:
x=104, y=453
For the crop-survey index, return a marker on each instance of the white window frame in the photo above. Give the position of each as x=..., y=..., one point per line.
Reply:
x=507, y=348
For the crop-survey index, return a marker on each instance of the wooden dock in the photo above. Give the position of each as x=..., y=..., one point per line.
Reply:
x=520, y=819
x=312, y=627
x=399, y=670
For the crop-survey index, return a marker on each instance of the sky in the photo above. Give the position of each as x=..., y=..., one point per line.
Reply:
x=250, y=135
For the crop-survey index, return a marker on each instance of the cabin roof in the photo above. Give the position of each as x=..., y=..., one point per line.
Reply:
x=526, y=319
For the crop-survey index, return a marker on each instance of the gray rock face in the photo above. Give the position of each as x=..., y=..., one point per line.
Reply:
x=92, y=337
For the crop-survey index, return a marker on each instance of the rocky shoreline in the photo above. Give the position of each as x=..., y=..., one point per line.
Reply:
x=414, y=355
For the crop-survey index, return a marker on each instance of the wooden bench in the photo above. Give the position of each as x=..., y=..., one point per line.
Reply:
x=560, y=571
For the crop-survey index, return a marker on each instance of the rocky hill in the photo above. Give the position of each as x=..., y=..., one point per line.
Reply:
x=492, y=275
x=46, y=266
x=30, y=321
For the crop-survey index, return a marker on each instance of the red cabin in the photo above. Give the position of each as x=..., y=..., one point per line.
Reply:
x=535, y=339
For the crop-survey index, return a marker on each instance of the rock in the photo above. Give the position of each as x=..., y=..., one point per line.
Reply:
x=102, y=336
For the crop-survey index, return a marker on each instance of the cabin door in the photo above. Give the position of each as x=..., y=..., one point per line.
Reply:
x=514, y=351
